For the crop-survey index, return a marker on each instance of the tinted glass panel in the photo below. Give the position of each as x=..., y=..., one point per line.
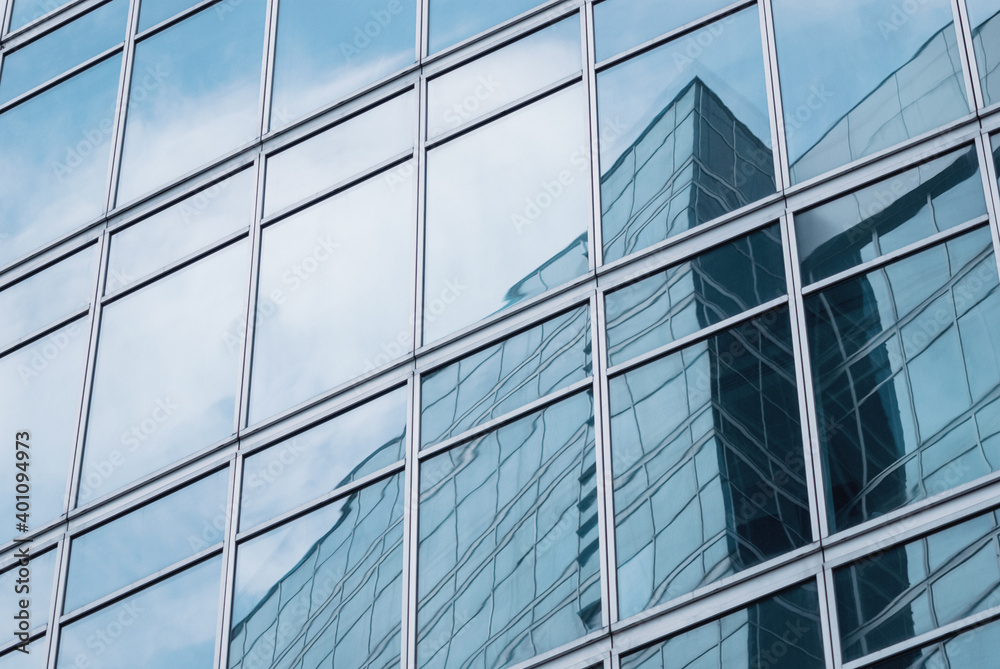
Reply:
x=705, y=290
x=41, y=577
x=167, y=372
x=507, y=211
x=683, y=140
x=508, y=552
x=152, y=12
x=906, y=364
x=620, y=25
x=452, y=21
x=976, y=648
x=984, y=17
x=324, y=590
x=324, y=458
x=841, y=104
x=35, y=659
x=26, y=11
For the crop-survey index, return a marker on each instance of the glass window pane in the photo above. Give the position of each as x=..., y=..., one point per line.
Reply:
x=709, y=472
x=906, y=364
x=508, y=551
x=339, y=153
x=503, y=76
x=152, y=12
x=978, y=647
x=890, y=214
x=63, y=49
x=321, y=271
x=147, y=540
x=180, y=230
x=620, y=25
x=54, y=155
x=502, y=227
x=984, y=17
x=841, y=104
x=167, y=625
x=47, y=296
x=167, y=372
x=683, y=139
x=41, y=577
x=706, y=290
x=194, y=95
x=35, y=659
x=326, y=589
x=326, y=50
x=309, y=465
x=452, y=21
x=26, y=11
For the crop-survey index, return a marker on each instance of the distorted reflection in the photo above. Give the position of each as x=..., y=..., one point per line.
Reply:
x=326, y=589
x=508, y=553
x=26, y=11
x=501, y=378
x=321, y=273
x=841, y=104
x=167, y=625
x=54, y=156
x=984, y=17
x=977, y=647
x=194, y=95
x=620, y=25
x=452, y=21
x=907, y=378
x=503, y=76
x=705, y=290
x=507, y=211
x=683, y=139
x=152, y=12
x=326, y=50
x=167, y=372
x=42, y=577
x=709, y=471
x=310, y=464
x=890, y=214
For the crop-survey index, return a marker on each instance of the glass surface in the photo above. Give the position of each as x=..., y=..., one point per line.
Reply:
x=322, y=272
x=326, y=589
x=41, y=577
x=975, y=648
x=503, y=76
x=167, y=372
x=35, y=659
x=63, y=49
x=890, y=214
x=452, y=21
x=501, y=378
x=194, y=96
x=180, y=230
x=326, y=50
x=147, y=540
x=841, y=104
x=167, y=625
x=47, y=296
x=152, y=12
x=26, y=11
x=341, y=152
x=708, y=289
x=508, y=564
x=323, y=458
x=54, y=155
x=781, y=632
x=709, y=471
x=906, y=366
x=899, y=593
x=620, y=25
x=984, y=18
x=507, y=211
x=684, y=134
x=40, y=390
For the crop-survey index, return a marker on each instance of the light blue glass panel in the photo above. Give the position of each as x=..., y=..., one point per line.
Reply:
x=984, y=18
x=40, y=577
x=35, y=659
x=152, y=12
x=977, y=647
x=620, y=25
x=26, y=11
x=452, y=21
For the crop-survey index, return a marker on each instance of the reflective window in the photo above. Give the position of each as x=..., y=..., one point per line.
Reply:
x=152, y=12
x=781, y=632
x=900, y=593
x=703, y=291
x=45, y=297
x=63, y=49
x=906, y=365
x=326, y=50
x=326, y=589
x=346, y=448
x=620, y=25
x=170, y=624
x=53, y=163
x=507, y=211
x=147, y=540
x=452, y=21
x=684, y=134
x=167, y=372
x=709, y=471
x=26, y=11
x=341, y=152
x=194, y=95
x=35, y=659
x=977, y=647
x=180, y=230
x=503, y=76
x=890, y=214
x=41, y=575
x=508, y=552
x=841, y=104
x=984, y=17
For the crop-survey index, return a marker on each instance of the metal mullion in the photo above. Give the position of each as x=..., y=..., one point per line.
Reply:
x=829, y=622
x=44, y=331
x=14, y=278
x=419, y=219
x=605, y=474
x=55, y=605
x=989, y=175
x=6, y=12
x=227, y=594
x=121, y=108
x=590, y=91
x=422, y=23
x=267, y=66
x=776, y=110
x=53, y=20
x=967, y=54
x=411, y=536
x=249, y=324
x=175, y=19
x=62, y=78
